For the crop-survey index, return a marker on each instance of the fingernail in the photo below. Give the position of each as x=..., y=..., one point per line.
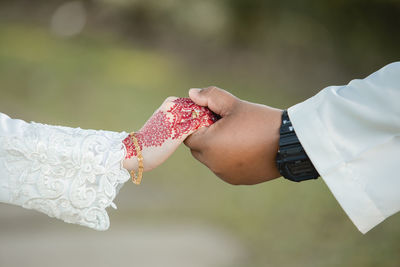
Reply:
x=194, y=91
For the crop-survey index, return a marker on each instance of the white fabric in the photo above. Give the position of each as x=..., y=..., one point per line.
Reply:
x=67, y=173
x=352, y=135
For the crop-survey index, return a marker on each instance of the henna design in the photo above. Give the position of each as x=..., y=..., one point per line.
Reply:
x=130, y=147
x=183, y=117
x=154, y=133
x=188, y=117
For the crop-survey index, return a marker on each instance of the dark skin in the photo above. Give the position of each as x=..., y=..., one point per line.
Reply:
x=241, y=147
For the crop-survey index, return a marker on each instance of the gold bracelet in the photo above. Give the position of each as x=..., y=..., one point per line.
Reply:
x=138, y=179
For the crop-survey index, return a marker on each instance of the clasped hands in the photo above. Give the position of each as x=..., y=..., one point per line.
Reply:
x=235, y=139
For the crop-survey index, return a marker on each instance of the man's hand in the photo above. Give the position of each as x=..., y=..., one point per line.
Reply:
x=241, y=147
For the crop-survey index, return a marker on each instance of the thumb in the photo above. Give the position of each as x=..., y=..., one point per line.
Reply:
x=217, y=100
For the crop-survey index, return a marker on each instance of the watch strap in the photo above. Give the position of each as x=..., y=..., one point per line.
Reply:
x=292, y=160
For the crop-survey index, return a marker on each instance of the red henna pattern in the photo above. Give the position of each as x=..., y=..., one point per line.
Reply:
x=186, y=118
x=130, y=147
x=154, y=133
x=183, y=120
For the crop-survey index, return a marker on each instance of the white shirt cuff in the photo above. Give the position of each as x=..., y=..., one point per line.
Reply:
x=337, y=174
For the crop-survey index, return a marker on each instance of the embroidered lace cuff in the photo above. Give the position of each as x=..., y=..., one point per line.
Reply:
x=67, y=173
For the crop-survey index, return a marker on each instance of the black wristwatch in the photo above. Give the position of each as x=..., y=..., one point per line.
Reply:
x=293, y=162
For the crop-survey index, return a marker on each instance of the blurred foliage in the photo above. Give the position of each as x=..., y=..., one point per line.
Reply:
x=131, y=55
x=355, y=35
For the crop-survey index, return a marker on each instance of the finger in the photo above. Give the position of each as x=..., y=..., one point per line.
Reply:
x=197, y=140
x=196, y=154
x=168, y=102
x=200, y=157
x=217, y=100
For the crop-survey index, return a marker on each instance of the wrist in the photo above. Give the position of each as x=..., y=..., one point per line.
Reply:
x=275, y=124
x=130, y=164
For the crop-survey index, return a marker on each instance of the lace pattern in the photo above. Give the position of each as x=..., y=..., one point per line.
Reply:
x=67, y=173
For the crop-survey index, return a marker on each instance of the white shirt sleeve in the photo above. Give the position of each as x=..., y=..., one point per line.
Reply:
x=67, y=173
x=352, y=135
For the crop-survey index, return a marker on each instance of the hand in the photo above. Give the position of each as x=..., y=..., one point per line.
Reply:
x=241, y=147
x=166, y=129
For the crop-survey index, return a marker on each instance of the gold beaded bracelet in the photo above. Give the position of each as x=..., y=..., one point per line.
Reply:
x=138, y=179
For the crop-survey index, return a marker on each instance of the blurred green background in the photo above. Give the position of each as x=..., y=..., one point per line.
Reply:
x=108, y=64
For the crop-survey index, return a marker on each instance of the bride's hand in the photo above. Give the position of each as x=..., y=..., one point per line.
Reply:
x=176, y=119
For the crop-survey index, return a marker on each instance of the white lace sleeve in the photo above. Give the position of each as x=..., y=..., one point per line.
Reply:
x=67, y=173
